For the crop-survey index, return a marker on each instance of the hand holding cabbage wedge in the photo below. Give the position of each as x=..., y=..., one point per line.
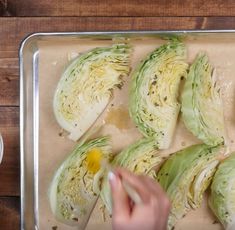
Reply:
x=76, y=184
x=202, y=106
x=139, y=158
x=186, y=175
x=222, y=199
x=84, y=89
x=154, y=91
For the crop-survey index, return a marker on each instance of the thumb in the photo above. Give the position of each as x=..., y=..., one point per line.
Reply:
x=120, y=200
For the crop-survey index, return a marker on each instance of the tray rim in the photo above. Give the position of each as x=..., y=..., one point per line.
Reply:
x=32, y=37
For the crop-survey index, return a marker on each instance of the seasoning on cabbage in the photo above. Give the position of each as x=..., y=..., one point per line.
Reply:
x=154, y=91
x=186, y=175
x=85, y=87
x=140, y=158
x=76, y=184
x=222, y=199
x=202, y=106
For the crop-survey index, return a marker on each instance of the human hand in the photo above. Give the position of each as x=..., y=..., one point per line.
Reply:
x=151, y=214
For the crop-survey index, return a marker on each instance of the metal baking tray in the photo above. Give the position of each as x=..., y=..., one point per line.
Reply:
x=29, y=103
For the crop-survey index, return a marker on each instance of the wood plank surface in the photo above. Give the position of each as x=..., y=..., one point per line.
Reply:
x=13, y=30
x=119, y=8
x=10, y=166
x=3, y=8
x=9, y=213
x=95, y=15
x=9, y=80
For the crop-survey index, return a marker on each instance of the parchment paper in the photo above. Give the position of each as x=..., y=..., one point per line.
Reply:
x=54, y=56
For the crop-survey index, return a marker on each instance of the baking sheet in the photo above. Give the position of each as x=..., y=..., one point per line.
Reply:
x=55, y=55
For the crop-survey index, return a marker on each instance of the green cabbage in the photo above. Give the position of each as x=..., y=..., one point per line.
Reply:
x=202, y=106
x=186, y=175
x=85, y=87
x=222, y=199
x=140, y=158
x=76, y=184
x=154, y=91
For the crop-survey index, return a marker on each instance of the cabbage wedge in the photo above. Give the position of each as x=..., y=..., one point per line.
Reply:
x=202, y=106
x=85, y=87
x=140, y=158
x=76, y=184
x=186, y=175
x=154, y=91
x=222, y=199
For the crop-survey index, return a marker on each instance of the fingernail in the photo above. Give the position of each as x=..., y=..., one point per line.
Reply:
x=112, y=178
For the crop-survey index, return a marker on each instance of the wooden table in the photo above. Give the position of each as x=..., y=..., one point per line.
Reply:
x=18, y=18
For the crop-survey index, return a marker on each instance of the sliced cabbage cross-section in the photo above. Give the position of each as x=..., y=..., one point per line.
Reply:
x=186, y=175
x=85, y=87
x=76, y=184
x=140, y=158
x=154, y=90
x=202, y=106
x=222, y=199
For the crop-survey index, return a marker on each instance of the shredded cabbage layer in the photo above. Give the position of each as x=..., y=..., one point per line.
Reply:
x=86, y=86
x=75, y=187
x=186, y=175
x=202, y=105
x=140, y=158
x=222, y=199
x=154, y=91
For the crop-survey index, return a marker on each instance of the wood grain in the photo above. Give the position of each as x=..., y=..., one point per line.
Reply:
x=3, y=8
x=119, y=8
x=9, y=213
x=10, y=166
x=9, y=81
x=14, y=30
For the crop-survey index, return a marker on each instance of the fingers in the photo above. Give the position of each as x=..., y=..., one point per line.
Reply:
x=158, y=198
x=121, y=206
x=157, y=194
x=135, y=182
x=145, y=186
x=151, y=213
x=153, y=185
